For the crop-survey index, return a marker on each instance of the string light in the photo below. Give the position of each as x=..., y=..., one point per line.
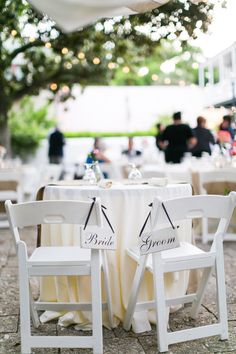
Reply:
x=181, y=83
x=65, y=89
x=111, y=65
x=155, y=77
x=126, y=69
x=65, y=50
x=195, y=65
x=68, y=65
x=167, y=81
x=96, y=61
x=53, y=86
x=48, y=45
x=81, y=55
x=13, y=33
x=31, y=39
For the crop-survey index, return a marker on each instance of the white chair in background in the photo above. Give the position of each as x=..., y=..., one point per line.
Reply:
x=150, y=173
x=56, y=261
x=224, y=176
x=185, y=257
x=47, y=173
x=13, y=186
x=51, y=172
x=10, y=188
x=179, y=176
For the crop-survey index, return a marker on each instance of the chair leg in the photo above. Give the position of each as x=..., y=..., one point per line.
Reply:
x=107, y=288
x=204, y=230
x=160, y=302
x=96, y=301
x=34, y=313
x=221, y=294
x=134, y=293
x=200, y=292
x=24, y=302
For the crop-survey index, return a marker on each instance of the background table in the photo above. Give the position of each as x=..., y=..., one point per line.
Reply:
x=127, y=208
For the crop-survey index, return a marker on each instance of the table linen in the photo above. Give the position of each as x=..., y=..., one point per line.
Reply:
x=127, y=207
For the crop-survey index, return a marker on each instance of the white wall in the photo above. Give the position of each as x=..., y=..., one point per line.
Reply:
x=126, y=108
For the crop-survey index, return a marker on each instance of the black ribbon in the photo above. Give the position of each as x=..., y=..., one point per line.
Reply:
x=89, y=213
x=168, y=216
x=149, y=214
x=103, y=212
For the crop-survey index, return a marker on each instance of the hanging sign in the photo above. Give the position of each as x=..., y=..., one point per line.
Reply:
x=95, y=237
x=157, y=240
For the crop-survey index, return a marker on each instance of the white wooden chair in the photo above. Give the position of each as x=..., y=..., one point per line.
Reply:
x=185, y=257
x=179, y=176
x=224, y=176
x=10, y=188
x=55, y=261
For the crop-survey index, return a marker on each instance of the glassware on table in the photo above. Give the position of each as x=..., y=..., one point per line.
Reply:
x=89, y=174
x=97, y=171
x=134, y=173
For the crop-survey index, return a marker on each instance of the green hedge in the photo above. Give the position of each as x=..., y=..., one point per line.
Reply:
x=109, y=134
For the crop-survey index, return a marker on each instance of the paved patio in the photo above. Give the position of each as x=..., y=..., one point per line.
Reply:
x=117, y=341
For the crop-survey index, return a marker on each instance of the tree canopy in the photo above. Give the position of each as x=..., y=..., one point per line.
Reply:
x=36, y=55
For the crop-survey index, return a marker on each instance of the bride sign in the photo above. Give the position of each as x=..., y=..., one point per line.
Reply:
x=95, y=237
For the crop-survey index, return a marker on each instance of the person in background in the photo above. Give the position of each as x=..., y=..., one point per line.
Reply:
x=158, y=137
x=97, y=154
x=177, y=139
x=226, y=125
x=131, y=151
x=204, y=138
x=56, y=144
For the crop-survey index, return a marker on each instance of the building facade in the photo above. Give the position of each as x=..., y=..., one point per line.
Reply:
x=217, y=77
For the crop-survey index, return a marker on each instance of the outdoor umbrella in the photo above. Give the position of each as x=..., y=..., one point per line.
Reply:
x=71, y=15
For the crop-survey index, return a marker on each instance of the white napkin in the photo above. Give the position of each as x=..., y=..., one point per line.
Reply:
x=105, y=183
x=158, y=181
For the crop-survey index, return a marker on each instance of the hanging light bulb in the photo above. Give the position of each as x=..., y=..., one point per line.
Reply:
x=13, y=32
x=155, y=77
x=111, y=65
x=65, y=50
x=53, y=86
x=167, y=81
x=81, y=55
x=65, y=89
x=126, y=69
x=96, y=61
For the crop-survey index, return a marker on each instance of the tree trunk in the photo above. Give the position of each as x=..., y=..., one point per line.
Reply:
x=5, y=137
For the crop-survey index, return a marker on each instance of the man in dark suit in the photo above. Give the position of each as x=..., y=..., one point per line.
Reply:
x=131, y=151
x=177, y=139
x=204, y=138
x=56, y=143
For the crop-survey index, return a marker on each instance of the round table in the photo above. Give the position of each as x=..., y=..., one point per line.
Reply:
x=127, y=207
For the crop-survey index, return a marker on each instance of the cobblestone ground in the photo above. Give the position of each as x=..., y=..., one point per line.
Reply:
x=117, y=341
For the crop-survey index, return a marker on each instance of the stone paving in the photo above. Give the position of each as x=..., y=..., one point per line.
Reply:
x=116, y=341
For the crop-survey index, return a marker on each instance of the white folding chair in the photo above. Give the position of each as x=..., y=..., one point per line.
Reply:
x=51, y=172
x=179, y=176
x=207, y=177
x=10, y=188
x=152, y=173
x=185, y=257
x=55, y=261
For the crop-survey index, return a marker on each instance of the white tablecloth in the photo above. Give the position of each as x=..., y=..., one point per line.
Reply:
x=127, y=208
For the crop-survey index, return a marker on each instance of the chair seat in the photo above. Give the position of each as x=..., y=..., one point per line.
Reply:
x=58, y=255
x=184, y=252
